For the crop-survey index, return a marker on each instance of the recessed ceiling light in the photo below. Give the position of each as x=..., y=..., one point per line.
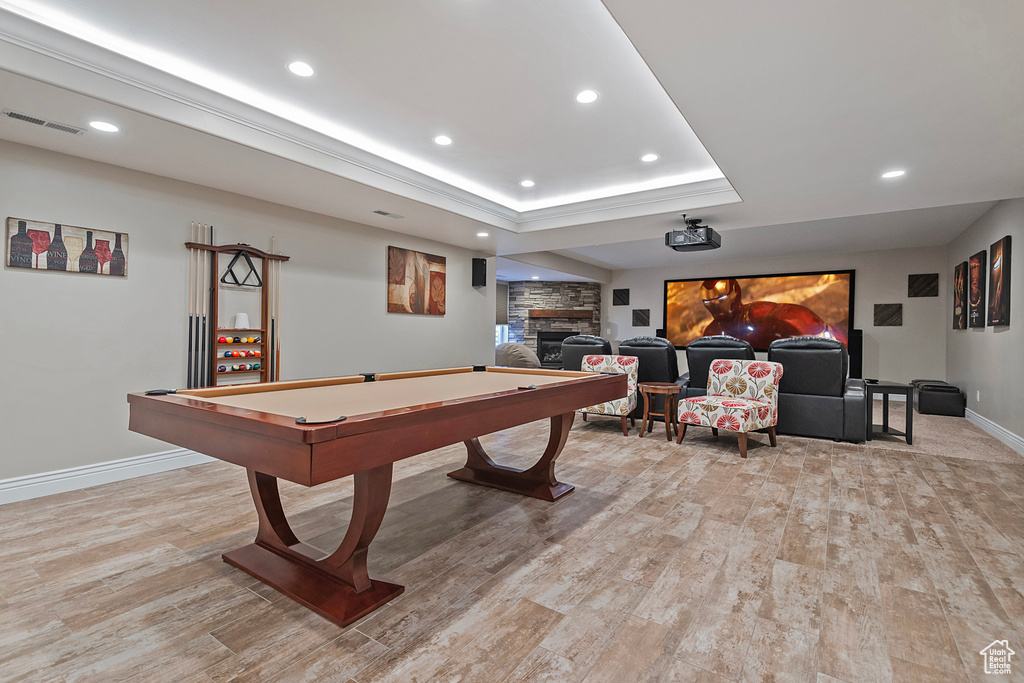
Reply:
x=443, y=140
x=893, y=174
x=649, y=157
x=527, y=183
x=104, y=126
x=301, y=69
x=586, y=97
x=482, y=234
x=536, y=277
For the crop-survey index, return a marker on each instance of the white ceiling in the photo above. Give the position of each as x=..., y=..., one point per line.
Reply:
x=507, y=270
x=895, y=230
x=802, y=104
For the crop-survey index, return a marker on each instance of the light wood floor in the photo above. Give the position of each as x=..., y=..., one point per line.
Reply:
x=813, y=562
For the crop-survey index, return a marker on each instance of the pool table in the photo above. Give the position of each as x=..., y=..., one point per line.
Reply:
x=315, y=431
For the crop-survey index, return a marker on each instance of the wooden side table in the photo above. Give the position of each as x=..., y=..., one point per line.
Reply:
x=650, y=391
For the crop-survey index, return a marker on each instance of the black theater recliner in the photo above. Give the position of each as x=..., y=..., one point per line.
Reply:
x=574, y=348
x=657, y=363
x=699, y=355
x=816, y=398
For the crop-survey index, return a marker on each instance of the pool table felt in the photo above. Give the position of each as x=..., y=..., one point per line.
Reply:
x=332, y=401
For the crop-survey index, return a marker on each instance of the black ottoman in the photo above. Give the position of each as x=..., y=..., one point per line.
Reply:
x=940, y=399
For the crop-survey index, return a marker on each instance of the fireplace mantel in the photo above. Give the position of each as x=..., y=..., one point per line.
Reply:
x=561, y=313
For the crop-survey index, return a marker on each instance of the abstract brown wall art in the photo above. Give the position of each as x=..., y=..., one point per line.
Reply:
x=53, y=246
x=999, y=283
x=960, y=297
x=416, y=282
x=976, y=290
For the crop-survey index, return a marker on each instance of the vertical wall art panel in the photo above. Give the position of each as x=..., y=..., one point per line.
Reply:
x=976, y=290
x=416, y=282
x=53, y=246
x=999, y=283
x=960, y=297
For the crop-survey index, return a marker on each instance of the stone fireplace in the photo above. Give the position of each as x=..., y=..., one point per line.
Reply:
x=565, y=308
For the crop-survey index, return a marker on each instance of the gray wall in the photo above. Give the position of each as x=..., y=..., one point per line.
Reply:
x=73, y=345
x=990, y=360
x=917, y=349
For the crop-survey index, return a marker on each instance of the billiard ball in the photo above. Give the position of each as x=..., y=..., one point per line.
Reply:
x=258, y=352
x=258, y=339
x=238, y=340
x=222, y=340
x=255, y=366
x=235, y=354
x=222, y=368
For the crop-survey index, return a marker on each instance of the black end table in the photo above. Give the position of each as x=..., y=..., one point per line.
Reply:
x=885, y=389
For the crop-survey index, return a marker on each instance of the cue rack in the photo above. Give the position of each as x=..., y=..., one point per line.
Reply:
x=205, y=354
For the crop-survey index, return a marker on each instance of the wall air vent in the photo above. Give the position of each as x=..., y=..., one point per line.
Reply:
x=63, y=127
x=387, y=214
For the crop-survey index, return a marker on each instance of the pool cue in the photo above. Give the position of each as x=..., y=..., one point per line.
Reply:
x=198, y=306
x=211, y=274
x=204, y=362
x=212, y=266
x=271, y=329
x=191, y=304
x=277, y=315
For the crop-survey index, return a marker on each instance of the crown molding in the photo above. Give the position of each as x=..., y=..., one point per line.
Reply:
x=74, y=64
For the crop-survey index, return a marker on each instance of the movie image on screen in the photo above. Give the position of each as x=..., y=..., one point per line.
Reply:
x=760, y=308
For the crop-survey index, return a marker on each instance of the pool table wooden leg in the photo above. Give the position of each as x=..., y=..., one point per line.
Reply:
x=537, y=482
x=335, y=585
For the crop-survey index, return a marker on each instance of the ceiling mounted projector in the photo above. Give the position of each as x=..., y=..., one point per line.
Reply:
x=694, y=237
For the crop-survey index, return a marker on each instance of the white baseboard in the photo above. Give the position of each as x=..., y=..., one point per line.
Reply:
x=74, y=478
x=1012, y=440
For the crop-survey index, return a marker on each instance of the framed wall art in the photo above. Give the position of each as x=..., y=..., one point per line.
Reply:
x=416, y=282
x=999, y=283
x=976, y=290
x=36, y=245
x=960, y=297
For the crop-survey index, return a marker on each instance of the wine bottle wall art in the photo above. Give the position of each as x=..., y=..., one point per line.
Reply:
x=35, y=245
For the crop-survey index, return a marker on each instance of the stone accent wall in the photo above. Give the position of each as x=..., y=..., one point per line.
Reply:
x=522, y=296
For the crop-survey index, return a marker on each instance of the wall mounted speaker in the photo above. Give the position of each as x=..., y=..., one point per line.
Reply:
x=479, y=272
x=856, y=348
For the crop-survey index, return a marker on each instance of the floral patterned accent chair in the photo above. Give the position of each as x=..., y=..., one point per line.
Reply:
x=743, y=396
x=623, y=407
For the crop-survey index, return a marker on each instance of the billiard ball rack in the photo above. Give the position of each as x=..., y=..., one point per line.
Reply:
x=205, y=350
x=232, y=334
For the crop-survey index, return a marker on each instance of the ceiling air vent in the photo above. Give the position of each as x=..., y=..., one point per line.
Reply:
x=388, y=214
x=63, y=127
